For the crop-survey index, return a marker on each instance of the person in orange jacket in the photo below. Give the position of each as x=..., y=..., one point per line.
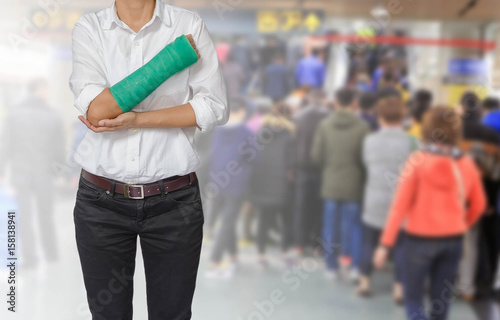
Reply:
x=439, y=197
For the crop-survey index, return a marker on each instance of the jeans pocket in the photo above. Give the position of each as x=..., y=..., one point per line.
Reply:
x=188, y=195
x=88, y=192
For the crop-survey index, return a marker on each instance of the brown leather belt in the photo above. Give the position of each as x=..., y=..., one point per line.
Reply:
x=135, y=191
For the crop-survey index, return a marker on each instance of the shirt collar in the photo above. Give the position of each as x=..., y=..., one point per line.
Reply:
x=161, y=11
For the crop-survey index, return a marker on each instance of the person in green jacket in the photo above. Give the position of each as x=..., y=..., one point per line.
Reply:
x=337, y=148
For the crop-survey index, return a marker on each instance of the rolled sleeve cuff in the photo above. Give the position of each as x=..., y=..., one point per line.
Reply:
x=205, y=119
x=88, y=94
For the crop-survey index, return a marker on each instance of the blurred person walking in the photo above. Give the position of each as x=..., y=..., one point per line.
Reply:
x=32, y=149
x=478, y=268
x=336, y=149
x=439, y=197
x=244, y=55
x=419, y=104
x=384, y=154
x=270, y=177
x=311, y=70
x=234, y=75
x=272, y=46
x=488, y=106
x=262, y=106
x=276, y=80
x=231, y=168
x=367, y=103
x=384, y=65
x=308, y=204
x=491, y=113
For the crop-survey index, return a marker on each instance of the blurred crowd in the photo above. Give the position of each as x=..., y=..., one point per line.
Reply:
x=377, y=171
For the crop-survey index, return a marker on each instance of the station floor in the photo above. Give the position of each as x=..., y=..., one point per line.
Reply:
x=55, y=291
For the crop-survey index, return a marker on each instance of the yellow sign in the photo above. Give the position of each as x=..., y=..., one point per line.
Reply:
x=312, y=22
x=454, y=92
x=271, y=21
x=267, y=21
x=292, y=20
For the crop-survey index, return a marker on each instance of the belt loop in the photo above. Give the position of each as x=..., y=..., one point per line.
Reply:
x=112, y=191
x=162, y=189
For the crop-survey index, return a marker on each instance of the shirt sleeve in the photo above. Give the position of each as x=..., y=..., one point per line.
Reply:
x=207, y=83
x=88, y=78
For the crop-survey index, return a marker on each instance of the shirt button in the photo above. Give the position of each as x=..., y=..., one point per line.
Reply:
x=132, y=159
x=137, y=43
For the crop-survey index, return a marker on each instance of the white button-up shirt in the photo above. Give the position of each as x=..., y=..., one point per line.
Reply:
x=106, y=50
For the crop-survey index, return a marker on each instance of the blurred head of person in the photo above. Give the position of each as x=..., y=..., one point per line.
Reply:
x=384, y=62
x=316, y=97
x=238, y=110
x=367, y=102
x=390, y=112
x=39, y=88
x=271, y=41
x=471, y=107
x=279, y=58
x=420, y=103
x=263, y=105
x=294, y=103
x=490, y=104
x=316, y=52
x=491, y=113
x=442, y=125
x=345, y=99
x=389, y=79
x=362, y=79
x=279, y=117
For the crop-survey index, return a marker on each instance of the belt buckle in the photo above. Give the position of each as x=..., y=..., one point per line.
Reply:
x=126, y=191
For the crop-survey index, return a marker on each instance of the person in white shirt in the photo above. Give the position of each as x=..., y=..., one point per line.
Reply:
x=138, y=167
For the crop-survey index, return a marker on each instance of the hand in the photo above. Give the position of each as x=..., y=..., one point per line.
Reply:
x=191, y=40
x=123, y=121
x=380, y=257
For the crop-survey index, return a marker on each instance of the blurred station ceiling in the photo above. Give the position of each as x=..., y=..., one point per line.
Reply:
x=449, y=10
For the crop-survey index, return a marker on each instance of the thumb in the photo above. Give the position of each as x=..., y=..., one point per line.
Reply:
x=108, y=123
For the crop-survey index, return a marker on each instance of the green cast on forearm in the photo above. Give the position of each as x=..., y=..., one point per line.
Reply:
x=136, y=87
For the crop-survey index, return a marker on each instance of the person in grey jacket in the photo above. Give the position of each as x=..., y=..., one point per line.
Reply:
x=336, y=149
x=384, y=154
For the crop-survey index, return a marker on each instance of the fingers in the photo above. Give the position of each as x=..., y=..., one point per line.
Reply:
x=87, y=123
x=110, y=123
x=191, y=41
x=94, y=128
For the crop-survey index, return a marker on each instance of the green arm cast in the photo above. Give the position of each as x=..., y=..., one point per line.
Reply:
x=136, y=87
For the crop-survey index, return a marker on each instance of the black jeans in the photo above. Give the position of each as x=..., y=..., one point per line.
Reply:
x=277, y=216
x=226, y=240
x=170, y=228
x=436, y=259
x=371, y=239
x=308, y=208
